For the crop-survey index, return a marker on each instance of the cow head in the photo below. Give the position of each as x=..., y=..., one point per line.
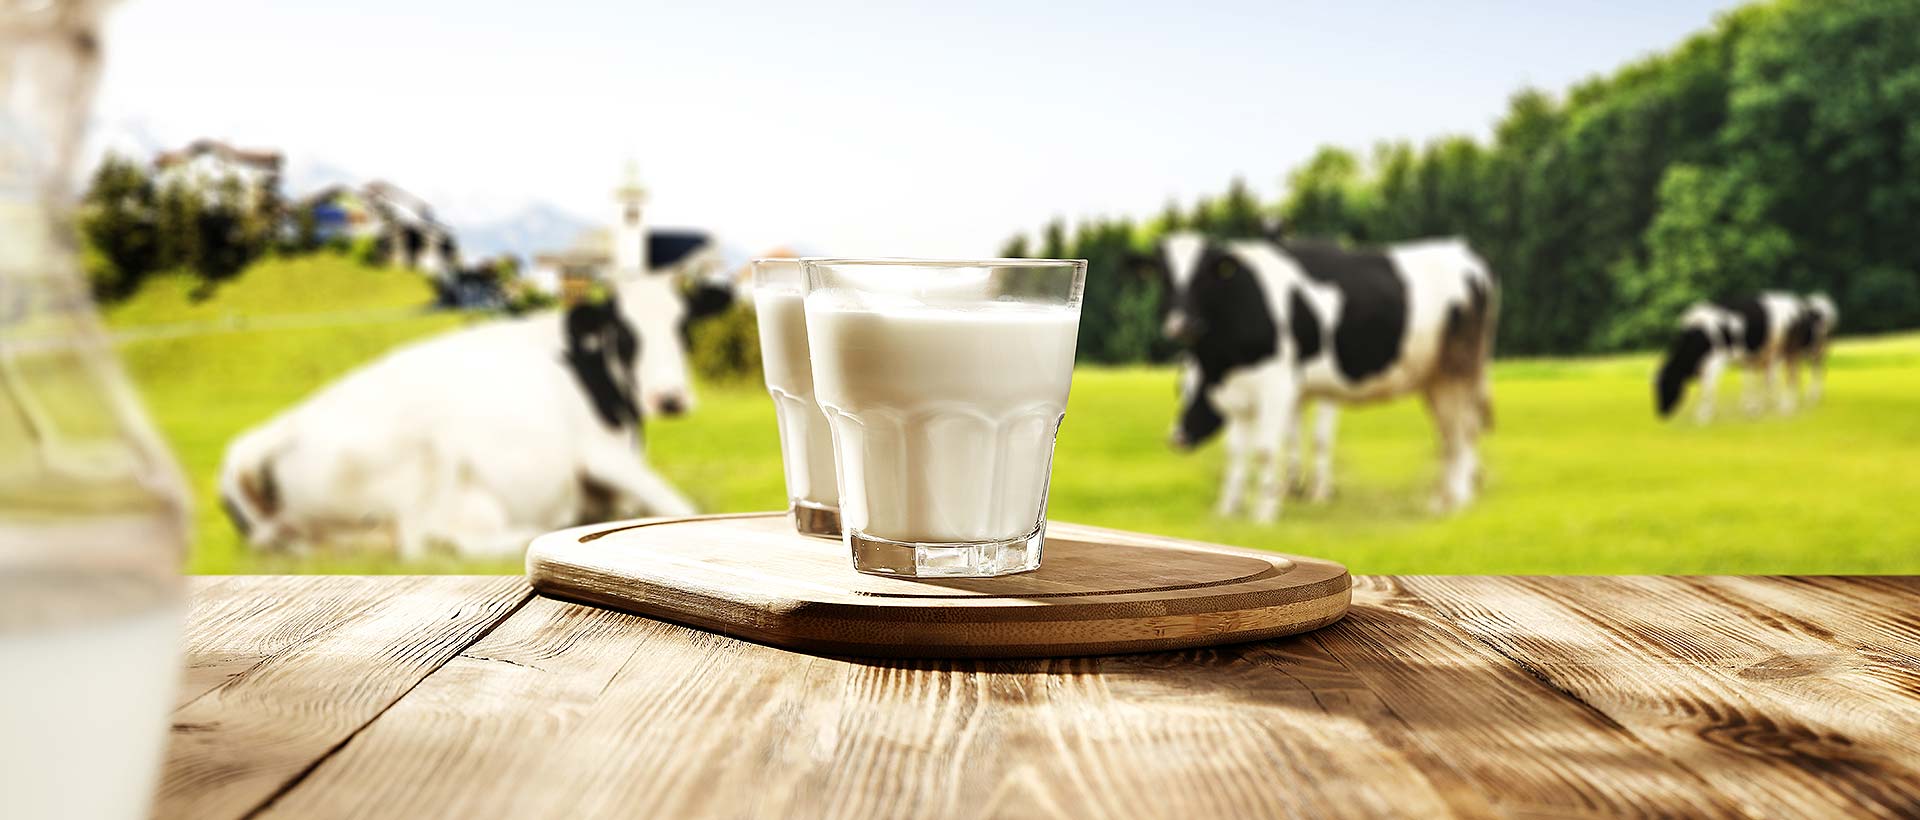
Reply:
x=1682, y=365
x=1218, y=310
x=656, y=306
x=1199, y=419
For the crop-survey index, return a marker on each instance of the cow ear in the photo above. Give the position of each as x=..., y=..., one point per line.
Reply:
x=707, y=299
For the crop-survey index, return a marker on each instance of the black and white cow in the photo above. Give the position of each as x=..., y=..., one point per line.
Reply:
x=1269, y=325
x=1767, y=333
x=478, y=439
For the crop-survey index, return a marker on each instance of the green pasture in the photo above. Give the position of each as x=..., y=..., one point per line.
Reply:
x=1580, y=477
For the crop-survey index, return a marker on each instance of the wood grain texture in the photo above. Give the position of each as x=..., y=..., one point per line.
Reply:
x=1098, y=591
x=327, y=656
x=1472, y=697
x=1776, y=711
x=1476, y=719
x=569, y=711
x=238, y=621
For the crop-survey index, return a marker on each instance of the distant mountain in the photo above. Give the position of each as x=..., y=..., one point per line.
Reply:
x=536, y=227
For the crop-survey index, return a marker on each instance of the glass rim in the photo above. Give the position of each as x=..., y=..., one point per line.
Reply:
x=911, y=262
x=773, y=260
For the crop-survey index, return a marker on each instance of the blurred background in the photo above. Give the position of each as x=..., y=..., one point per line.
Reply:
x=276, y=194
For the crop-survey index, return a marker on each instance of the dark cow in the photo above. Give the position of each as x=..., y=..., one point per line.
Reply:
x=1269, y=325
x=1766, y=332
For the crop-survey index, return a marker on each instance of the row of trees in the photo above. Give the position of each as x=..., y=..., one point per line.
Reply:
x=134, y=225
x=1781, y=149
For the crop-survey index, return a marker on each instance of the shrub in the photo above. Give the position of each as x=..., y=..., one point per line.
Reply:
x=520, y=297
x=725, y=347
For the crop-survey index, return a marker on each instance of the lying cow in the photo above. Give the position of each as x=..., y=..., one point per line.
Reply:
x=1767, y=333
x=478, y=439
x=1270, y=325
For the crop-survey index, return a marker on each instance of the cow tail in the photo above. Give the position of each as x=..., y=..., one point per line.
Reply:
x=249, y=493
x=1466, y=351
x=1489, y=329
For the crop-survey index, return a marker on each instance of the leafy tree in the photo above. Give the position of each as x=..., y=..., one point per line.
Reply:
x=1324, y=197
x=1779, y=149
x=118, y=221
x=1238, y=213
x=1825, y=122
x=177, y=221
x=1712, y=238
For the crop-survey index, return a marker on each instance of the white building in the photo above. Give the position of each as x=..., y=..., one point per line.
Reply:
x=205, y=164
x=628, y=245
x=403, y=224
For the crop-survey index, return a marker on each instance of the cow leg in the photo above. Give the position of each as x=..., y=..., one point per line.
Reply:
x=1816, y=377
x=1782, y=400
x=1795, y=394
x=1275, y=422
x=475, y=524
x=1710, y=371
x=1752, y=400
x=1323, y=431
x=634, y=482
x=1296, y=447
x=1239, y=449
x=410, y=538
x=1456, y=420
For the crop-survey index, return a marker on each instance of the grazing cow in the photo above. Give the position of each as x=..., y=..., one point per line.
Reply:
x=1269, y=325
x=480, y=438
x=1768, y=333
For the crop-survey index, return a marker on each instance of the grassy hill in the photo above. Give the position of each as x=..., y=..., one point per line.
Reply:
x=1581, y=478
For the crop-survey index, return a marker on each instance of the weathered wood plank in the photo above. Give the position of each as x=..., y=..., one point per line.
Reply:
x=1463, y=696
x=237, y=621
x=1489, y=729
x=571, y=711
x=327, y=656
x=1784, y=716
x=1879, y=610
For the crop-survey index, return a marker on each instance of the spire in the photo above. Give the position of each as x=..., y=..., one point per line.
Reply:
x=630, y=224
x=631, y=189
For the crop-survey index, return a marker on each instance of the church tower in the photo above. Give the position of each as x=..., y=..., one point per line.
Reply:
x=630, y=224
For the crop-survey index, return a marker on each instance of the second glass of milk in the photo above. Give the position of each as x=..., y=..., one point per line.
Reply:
x=806, y=446
x=944, y=383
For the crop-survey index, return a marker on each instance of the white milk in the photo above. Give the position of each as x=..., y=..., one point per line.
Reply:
x=84, y=715
x=806, y=444
x=945, y=417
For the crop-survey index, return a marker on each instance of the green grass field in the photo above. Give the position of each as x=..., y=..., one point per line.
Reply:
x=1581, y=478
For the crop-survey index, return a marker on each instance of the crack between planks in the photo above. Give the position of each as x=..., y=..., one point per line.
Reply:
x=306, y=771
x=463, y=654
x=1605, y=719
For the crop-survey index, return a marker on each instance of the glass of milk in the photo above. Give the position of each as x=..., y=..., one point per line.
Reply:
x=944, y=383
x=806, y=445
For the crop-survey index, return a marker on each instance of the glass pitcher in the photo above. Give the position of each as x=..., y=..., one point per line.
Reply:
x=92, y=508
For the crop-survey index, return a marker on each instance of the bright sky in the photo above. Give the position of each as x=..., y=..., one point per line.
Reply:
x=861, y=129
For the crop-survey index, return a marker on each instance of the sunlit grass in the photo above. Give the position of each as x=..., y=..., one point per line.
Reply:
x=1581, y=477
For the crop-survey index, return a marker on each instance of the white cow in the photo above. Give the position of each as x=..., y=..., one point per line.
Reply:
x=477, y=439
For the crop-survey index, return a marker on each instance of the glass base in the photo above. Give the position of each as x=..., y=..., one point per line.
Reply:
x=982, y=559
x=815, y=519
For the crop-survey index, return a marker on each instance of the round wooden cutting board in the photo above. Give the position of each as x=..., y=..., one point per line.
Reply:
x=1098, y=591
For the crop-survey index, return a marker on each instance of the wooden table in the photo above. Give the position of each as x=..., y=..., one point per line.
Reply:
x=471, y=697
